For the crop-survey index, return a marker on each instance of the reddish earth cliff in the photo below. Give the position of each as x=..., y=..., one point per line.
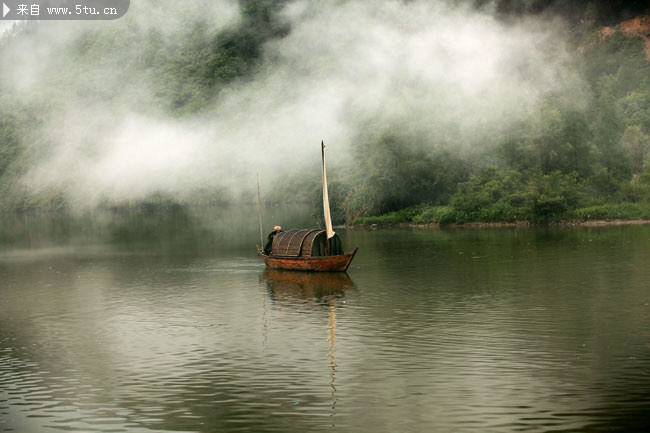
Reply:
x=636, y=27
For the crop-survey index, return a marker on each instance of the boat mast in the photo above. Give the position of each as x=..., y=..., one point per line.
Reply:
x=259, y=208
x=326, y=202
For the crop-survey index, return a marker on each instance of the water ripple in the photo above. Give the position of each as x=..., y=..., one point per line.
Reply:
x=536, y=334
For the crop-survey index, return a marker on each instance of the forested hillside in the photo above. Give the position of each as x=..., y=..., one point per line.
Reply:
x=154, y=66
x=562, y=161
x=580, y=151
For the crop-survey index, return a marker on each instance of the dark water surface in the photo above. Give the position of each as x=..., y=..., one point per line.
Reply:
x=154, y=321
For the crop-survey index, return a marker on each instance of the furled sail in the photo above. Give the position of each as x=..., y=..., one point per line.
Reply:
x=326, y=201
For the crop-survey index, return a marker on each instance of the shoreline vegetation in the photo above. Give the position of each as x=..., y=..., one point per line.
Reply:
x=504, y=224
x=422, y=216
x=446, y=216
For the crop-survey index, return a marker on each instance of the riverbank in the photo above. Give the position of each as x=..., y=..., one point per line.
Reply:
x=516, y=224
x=588, y=223
x=436, y=216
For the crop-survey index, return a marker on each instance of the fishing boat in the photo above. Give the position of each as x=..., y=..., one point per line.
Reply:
x=309, y=249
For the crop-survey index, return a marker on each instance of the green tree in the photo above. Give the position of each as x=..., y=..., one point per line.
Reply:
x=559, y=139
x=554, y=194
x=635, y=108
x=636, y=145
x=399, y=169
x=494, y=194
x=608, y=131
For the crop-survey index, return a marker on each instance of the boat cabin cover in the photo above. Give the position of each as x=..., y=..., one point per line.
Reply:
x=306, y=243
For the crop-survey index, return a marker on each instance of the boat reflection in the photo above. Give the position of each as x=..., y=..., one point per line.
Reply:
x=305, y=286
x=287, y=287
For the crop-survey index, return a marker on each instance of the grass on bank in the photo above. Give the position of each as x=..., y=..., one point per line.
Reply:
x=424, y=214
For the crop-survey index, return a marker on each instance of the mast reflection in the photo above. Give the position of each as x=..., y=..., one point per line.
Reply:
x=331, y=338
x=325, y=289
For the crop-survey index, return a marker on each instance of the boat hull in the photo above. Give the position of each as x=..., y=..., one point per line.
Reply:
x=338, y=263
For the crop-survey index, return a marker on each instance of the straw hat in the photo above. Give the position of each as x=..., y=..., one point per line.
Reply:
x=277, y=228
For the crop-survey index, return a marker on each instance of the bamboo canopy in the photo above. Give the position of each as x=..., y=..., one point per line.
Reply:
x=305, y=243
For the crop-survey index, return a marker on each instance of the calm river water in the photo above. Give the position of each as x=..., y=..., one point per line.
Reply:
x=167, y=321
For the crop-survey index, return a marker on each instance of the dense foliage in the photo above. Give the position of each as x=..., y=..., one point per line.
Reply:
x=184, y=70
x=564, y=160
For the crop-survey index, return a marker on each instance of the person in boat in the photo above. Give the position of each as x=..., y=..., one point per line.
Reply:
x=269, y=242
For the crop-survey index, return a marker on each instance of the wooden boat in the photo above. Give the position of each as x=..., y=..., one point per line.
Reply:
x=310, y=249
x=338, y=263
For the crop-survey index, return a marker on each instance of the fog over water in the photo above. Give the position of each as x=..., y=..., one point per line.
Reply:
x=450, y=73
